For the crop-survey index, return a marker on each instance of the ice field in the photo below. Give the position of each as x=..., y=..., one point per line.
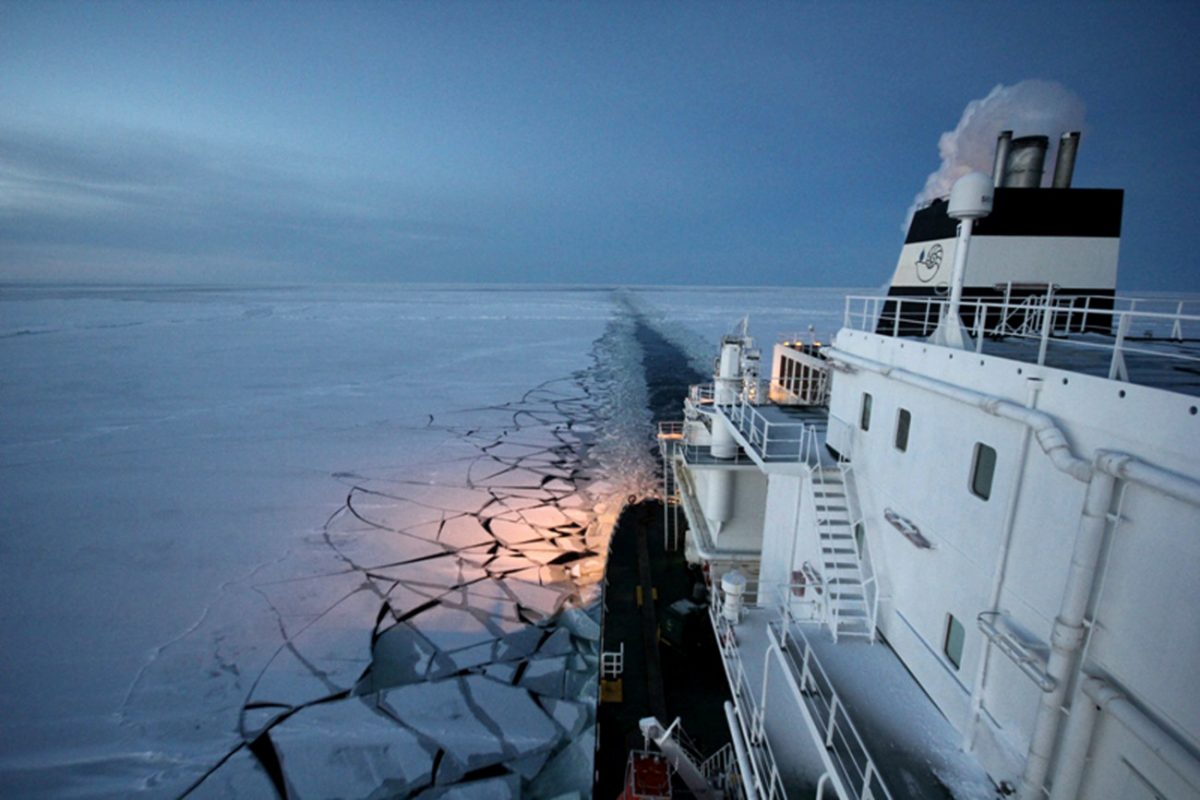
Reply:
x=322, y=538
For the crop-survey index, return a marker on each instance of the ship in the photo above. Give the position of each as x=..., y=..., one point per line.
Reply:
x=954, y=551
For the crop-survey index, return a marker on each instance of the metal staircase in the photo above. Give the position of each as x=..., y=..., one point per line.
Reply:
x=849, y=610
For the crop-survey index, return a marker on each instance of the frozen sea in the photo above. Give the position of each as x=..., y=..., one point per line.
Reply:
x=321, y=539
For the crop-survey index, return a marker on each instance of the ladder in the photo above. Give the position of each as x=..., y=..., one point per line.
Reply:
x=849, y=613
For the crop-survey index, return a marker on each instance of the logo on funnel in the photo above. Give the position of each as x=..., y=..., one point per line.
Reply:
x=928, y=263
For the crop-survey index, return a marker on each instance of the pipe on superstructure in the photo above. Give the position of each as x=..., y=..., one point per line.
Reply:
x=745, y=767
x=726, y=384
x=1128, y=468
x=1066, y=639
x=1068, y=633
x=1033, y=386
x=1096, y=695
x=1049, y=437
x=719, y=506
x=1073, y=753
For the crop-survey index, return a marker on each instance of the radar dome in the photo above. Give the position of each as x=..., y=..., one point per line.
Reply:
x=971, y=197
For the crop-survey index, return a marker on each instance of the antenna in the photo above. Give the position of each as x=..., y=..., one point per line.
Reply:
x=970, y=199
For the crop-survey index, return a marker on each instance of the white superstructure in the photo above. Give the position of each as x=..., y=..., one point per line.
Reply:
x=974, y=564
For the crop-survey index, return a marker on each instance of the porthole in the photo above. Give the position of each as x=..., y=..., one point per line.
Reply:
x=952, y=644
x=903, y=421
x=983, y=470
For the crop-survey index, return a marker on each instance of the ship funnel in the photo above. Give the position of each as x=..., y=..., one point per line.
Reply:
x=1064, y=165
x=1002, y=143
x=1026, y=159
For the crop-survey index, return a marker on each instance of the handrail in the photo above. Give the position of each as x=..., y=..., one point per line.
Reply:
x=761, y=432
x=858, y=772
x=832, y=608
x=866, y=565
x=672, y=438
x=813, y=690
x=669, y=430
x=1149, y=328
x=766, y=779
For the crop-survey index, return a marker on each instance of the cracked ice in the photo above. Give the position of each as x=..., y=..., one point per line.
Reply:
x=459, y=644
x=433, y=633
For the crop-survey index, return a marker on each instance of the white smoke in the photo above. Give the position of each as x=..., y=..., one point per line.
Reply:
x=1026, y=108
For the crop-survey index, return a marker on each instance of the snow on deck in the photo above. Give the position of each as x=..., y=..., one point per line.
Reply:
x=914, y=747
x=917, y=750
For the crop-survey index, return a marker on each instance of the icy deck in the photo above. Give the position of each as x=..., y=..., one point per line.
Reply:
x=915, y=748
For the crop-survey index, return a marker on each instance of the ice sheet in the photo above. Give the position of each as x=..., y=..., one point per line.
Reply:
x=227, y=511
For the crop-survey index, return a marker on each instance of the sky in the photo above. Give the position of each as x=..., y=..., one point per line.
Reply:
x=521, y=142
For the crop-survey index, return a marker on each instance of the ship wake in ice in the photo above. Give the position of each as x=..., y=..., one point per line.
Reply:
x=453, y=638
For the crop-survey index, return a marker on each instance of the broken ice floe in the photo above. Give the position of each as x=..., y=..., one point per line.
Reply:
x=455, y=653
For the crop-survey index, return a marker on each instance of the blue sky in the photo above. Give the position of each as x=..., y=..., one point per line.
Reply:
x=759, y=143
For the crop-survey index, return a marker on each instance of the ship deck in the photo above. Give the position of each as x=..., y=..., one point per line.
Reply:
x=908, y=739
x=1160, y=363
x=1149, y=342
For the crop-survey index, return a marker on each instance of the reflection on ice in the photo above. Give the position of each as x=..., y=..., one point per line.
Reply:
x=459, y=647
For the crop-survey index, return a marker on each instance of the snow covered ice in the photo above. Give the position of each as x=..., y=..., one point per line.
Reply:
x=320, y=540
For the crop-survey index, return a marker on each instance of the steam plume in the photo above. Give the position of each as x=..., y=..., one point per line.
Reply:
x=1026, y=108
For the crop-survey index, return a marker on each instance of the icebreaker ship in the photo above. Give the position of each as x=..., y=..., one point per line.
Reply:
x=955, y=551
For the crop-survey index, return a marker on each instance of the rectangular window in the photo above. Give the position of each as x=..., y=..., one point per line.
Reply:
x=864, y=419
x=983, y=469
x=955, y=637
x=903, y=419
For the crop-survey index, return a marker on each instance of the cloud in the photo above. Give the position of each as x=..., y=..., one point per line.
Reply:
x=183, y=203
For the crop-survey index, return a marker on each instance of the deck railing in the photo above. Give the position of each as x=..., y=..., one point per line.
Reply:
x=672, y=440
x=862, y=549
x=1111, y=327
x=766, y=778
x=772, y=440
x=855, y=770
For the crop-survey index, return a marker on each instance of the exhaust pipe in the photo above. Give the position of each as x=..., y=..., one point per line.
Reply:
x=1002, y=143
x=1064, y=165
x=1026, y=160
